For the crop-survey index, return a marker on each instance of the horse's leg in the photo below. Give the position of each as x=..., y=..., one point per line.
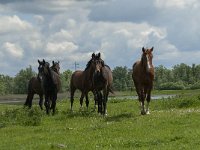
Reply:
x=81, y=100
x=99, y=98
x=41, y=101
x=148, y=100
x=30, y=98
x=142, y=101
x=105, y=97
x=87, y=100
x=53, y=105
x=47, y=104
x=72, y=96
x=95, y=99
x=140, y=94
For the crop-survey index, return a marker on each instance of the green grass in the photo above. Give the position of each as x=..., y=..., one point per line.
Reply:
x=172, y=124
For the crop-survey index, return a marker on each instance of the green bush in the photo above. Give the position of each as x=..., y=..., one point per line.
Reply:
x=171, y=86
x=21, y=116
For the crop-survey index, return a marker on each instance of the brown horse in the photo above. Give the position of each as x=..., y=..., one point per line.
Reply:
x=82, y=80
x=102, y=81
x=50, y=81
x=143, y=76
x=34, y=87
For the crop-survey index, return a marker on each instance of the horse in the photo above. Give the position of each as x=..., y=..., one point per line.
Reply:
x=82, y=80
x=34, y=87
x=50, y=83
x=143, y=76
x=102, y=81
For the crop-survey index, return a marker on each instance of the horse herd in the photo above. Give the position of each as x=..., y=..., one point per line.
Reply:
x=97, y=78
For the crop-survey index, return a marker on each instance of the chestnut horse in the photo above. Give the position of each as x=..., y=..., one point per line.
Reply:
x=34, y=87
x=102, y=81
x=143, y=76
x=50, y=81
x=82, y=80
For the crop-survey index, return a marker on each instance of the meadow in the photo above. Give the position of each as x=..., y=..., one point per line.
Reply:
x=172, y=124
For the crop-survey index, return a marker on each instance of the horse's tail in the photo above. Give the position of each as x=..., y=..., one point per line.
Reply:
x=71, y=82
x=111, y=90
x=27, y=102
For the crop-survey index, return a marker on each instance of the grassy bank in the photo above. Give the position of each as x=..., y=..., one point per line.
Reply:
x=172, y=124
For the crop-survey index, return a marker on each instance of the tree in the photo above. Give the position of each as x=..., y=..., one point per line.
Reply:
x=121, y=78
x=65, y=80
x=21, y=80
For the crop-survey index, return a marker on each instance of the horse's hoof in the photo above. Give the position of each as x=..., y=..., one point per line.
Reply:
x=105, y=115
x=143, y=113
x=148, y=113
x=81, y=108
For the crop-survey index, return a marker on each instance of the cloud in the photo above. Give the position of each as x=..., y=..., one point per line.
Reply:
x=13, y=24
x=61, y=48
x=70, y=31
x=12, y=50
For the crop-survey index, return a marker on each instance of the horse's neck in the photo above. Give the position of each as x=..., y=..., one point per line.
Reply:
x=89, y=74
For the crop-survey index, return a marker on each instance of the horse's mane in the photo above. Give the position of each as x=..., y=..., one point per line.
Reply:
x=88, y=64
x=107, y=66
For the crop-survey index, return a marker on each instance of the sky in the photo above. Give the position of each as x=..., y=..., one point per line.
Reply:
x=70, y=31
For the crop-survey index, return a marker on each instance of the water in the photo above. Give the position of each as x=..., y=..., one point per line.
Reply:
x=153, y=97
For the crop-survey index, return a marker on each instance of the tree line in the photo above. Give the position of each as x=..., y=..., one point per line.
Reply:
x=181, y=76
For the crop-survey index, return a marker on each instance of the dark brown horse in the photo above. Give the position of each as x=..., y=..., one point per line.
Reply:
x=102, y=81
x=34, y=87
x=50, y=81
x=82, y=80
x=143, y=76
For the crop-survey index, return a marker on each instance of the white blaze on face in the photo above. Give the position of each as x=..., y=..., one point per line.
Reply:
x=148, y=63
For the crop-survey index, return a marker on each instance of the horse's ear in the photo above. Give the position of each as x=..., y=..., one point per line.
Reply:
x=143, y=49
x=99, y=55
x=93, y=55
x=53, y=62
x=58, y=62
x=152, y=49
x=39, y=61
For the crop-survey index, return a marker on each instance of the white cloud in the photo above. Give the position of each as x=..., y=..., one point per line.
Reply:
x=13, y=24
x=12, y=50
x=181, y=4
x=70, y=31
x=60, y=48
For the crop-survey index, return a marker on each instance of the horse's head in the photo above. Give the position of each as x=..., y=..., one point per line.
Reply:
x=147, y=57
x=56, y=67
x=42, y=68
x=98, y=63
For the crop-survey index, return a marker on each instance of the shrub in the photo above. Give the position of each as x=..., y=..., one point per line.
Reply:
x=27, y=117
x=172, y=86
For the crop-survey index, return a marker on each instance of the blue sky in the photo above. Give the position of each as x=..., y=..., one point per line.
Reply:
x=71, y=30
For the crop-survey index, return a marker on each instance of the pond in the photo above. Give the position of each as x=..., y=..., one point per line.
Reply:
x=153, y=97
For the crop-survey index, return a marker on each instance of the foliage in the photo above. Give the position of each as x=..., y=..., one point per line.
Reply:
x=180, y=76
x=65, y=80
x=122, y=80
x=21, y=116
x=21, y=80
x=6, y=85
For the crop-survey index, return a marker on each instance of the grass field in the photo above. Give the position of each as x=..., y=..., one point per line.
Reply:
x=173, y=124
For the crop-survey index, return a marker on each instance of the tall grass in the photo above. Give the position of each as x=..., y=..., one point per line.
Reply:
x=172, y=124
